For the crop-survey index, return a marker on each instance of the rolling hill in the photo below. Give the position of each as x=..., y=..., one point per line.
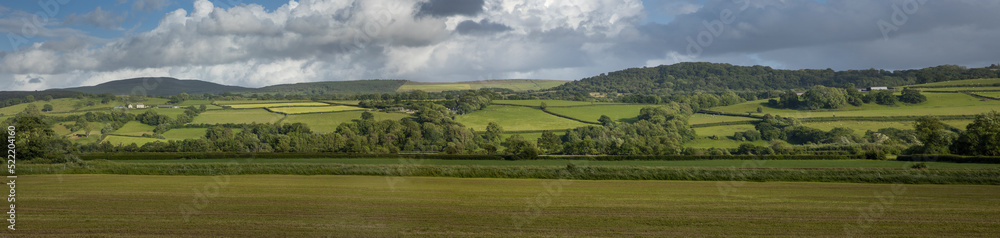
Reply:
x=157, y=87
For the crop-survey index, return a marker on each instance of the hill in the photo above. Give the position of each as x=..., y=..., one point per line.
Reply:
x=335, y=87
x=716, y=77
x=157, y=87
x=511, y=84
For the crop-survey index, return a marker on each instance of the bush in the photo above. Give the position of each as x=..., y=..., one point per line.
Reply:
x=920, y=165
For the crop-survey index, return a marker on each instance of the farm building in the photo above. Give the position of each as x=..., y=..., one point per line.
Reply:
x=140, y=105
x=877, y=88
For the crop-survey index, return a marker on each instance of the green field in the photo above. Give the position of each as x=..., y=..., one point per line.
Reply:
x=126, y=140
x=550, y=103
x=311, y=206
x=620, y=113
x=185, y=133
x=512, y=84
x=514, y=118
x=300, y=110
x=982, y=82
x=989, y=94
x=937, y=104
x=238, y=102
x=861, y=126
x=134, y=128
x=328, y=122
x=767, y=164
x=962, y=89
x=244, y=116
x=699, y=118
x=272, y=105
x=345, y=102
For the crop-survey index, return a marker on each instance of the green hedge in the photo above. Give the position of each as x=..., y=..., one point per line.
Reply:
x=950, y=158
x=827, y=155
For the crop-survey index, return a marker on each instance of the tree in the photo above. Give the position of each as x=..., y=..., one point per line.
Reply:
x=521, y=148
x=912, y=96
x=981, y=137
x=493, y=132
x=824, y=97
x=367, y=116
x=931, y=132
x=47, y=108
x=543, y=106
x=47, y=98
x=790, y=99
x=605, y=120
x=550, y=143
x=885, y=97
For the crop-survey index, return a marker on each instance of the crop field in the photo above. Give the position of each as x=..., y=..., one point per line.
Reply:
x=134, y=128
x=185, y=133
x=550, y=103
x=126, y=140
x=699, y=118
x=514, y=118
x=937, y=104
x=763, y=164
x=982, y=82
x=328, y=122
x=272, y=105
x=245, y=116
x=300, y=110
x=516, y=85
x=620, y=113
x=200, y=206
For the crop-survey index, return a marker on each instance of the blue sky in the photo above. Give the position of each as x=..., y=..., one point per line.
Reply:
x=258, y=43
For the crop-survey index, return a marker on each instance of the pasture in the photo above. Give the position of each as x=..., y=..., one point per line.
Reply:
x=127, y=140
x=186, y=133
x=620, y=113
x=699, y=118
x=300, y=110
x=238, y=102
x=515, y=118
x=261, y=205
x=134, y=128
x=244, y=116
x=937, y=104
x=861, y=126
x=328, y=122
x=968, y=82
x=274, y=105
x=550, y=103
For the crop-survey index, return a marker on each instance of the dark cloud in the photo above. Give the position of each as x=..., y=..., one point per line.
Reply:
x=447, y=8
x=35, y=80
x=483, y=27
x=97, y=18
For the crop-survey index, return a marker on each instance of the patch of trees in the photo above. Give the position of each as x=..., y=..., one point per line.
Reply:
x=821, y=97
x=980, y=138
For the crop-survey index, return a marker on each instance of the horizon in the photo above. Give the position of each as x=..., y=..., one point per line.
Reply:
x=260, y=43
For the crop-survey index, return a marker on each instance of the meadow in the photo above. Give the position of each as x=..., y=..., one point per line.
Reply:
x=134, y=128
x=699, y=118
x=550, y=103
x=186, y=133
x=620, y=113
x=937, y=104
x=328, y=122
x=244, y=116
x=126, y=140
x=515, y=118
x=516, y=85
x=968, y=82
x=239, y=102
x=262, y=205
x=273, y=105
x=300, y=110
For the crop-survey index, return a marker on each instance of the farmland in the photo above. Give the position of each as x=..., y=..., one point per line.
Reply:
x=272, y=105
x=592, y=113
x=134, y=128
x=328, y=122
x=185, y=133
x=419, y=206
x=985, y=82
x=516, y=85
x=514, y=118
x=300, y=110
x=937, y=104
x=244, y=116
x=126, y=140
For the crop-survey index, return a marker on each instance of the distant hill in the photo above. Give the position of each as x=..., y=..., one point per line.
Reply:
x=157, y=87
x=512, y=84
x=38, y=95
x=715, y=77
x=335, y=87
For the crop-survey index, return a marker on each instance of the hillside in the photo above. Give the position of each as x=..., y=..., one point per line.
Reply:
x=716, y=77
x=335, y=87
x=518, y=85
x=157, y=87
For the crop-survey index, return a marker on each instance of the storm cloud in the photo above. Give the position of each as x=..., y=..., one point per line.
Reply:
x=447, y=8
x=482, y=27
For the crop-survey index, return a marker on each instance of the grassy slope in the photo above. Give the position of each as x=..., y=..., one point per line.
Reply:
x=592, y=113
x=328, y=122
x=514, y=118
x=134, y=128
x=299, y=110
x=236, y=116
x=285, y=104
x=185, y=133
x=512, y=84
x=551, y=103
x=307, y=206
x=126, y=140
x=937, y=104
x=983, y=82
x=699, y=118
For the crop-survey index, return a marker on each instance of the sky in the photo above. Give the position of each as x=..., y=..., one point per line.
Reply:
x=68, y=43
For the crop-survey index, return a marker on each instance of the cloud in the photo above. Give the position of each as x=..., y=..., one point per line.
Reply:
x=447, y=8
x=35, y=80
x=482, y=27
x=97, y=18
x=149, y=5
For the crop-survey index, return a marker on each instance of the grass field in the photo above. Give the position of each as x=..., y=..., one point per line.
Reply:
x=861, y=126
x=134, y=128
x=300, y=110
x=699, y=118
x=310, y=206
x=983, y=82
x=272, y=105
x=769, y=164
x=592, y=113
x=185, y=133
x=328, y=122
x=550, y=103
x=126, y=140
x=237, y=102
x=245, y=116
x=989, y=94
x=514, y=118
x=345, y=102
x=962, y=89
x=512, y=84
x=937, y=104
